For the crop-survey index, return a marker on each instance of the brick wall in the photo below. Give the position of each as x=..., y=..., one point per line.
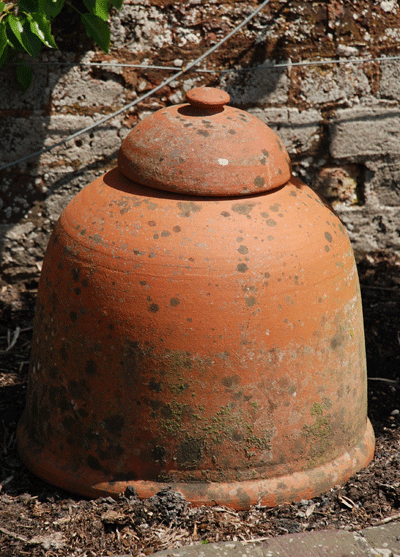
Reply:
x=340, y=123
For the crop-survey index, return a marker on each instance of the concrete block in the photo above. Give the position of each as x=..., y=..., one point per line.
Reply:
x=21, y=136
x=389, y=84
x=76, y=90
x=100, y=143
x=371, y=229
x=300, y=132
x=321, y=85
x=360, y=133
x=384, y=184
x=264, y=86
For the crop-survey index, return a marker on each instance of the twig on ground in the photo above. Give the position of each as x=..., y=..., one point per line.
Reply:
x=13, y=535
x=6, y=481
x=383, y=379
x=12, y=342
x=387, y=519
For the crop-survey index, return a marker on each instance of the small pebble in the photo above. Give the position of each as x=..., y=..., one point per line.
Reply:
x=395, y=412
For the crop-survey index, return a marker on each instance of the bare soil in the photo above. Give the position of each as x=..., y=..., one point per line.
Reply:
x=37, y=519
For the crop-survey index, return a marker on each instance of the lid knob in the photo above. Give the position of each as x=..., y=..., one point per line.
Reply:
x=207, y=97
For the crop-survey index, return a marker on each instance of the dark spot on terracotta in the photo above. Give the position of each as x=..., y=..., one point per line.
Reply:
x=97, y=238
x=237, y=436
x=190, y=452
x=77, y=291
x=230, y=381
x=336, y=342
x=242, y=267
x=280, y=171
x=225, y=214
x=77, y=389
x=165, y=233
x=75, y=274
x=85, y=283
x=205, y=133
x=64, y=352
x=265, y=152
x=82, y=232
x=73, y=316
x=114, y=424
x=275, y=207
x=243, y=250
x=270, y=222
x=177, y=229
x=187, y=125
x=124, y=477
x=263, y=160
x=328, y=236
x=293, y=194
x=242, y=208
x=124, y=210
x=93, y=462
x=259, y=182
x=91, y=367
x=158, y=453
x=232, y=132
x=142, y=282
x=151, y=223
x=239, y=239
x=181, y=160
x=153, y=308
x=188, y=207
x=270, y=238
x=155, y=386
x=251, y=301
x=327, y=248
x=155, y=236
x=189, y=320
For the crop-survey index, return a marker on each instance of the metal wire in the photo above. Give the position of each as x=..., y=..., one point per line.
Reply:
x=269, y=66
x=145, y=95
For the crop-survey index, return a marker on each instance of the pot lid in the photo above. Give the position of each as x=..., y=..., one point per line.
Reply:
x=205, y=148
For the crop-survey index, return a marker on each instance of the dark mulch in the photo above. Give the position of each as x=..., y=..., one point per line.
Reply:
x=38, y=519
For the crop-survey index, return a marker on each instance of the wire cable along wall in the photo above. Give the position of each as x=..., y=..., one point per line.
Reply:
x=191, y=67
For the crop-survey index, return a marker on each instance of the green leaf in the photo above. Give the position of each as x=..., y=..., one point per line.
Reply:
x=21, y=29
x=98, y=30
x=51, y=8
x=117, y=3
x=2, y=6
x=40, y=27
x=98, y=7
x=24, y=75
x=3, y=37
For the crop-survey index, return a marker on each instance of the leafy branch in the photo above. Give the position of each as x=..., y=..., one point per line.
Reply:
x=25, y=26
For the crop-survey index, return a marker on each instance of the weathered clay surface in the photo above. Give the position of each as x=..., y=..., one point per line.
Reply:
x=212, y=343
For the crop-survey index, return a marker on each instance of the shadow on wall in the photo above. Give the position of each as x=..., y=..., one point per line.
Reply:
x=61, y=100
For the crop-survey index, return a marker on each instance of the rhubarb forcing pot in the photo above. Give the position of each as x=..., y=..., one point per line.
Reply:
x=198, y=324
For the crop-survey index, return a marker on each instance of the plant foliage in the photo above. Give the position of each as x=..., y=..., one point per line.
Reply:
x=25, y=26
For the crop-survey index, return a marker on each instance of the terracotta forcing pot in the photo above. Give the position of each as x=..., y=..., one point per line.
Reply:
x=198, y=324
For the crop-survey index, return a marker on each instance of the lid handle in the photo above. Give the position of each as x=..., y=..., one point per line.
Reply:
x=207, y=98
